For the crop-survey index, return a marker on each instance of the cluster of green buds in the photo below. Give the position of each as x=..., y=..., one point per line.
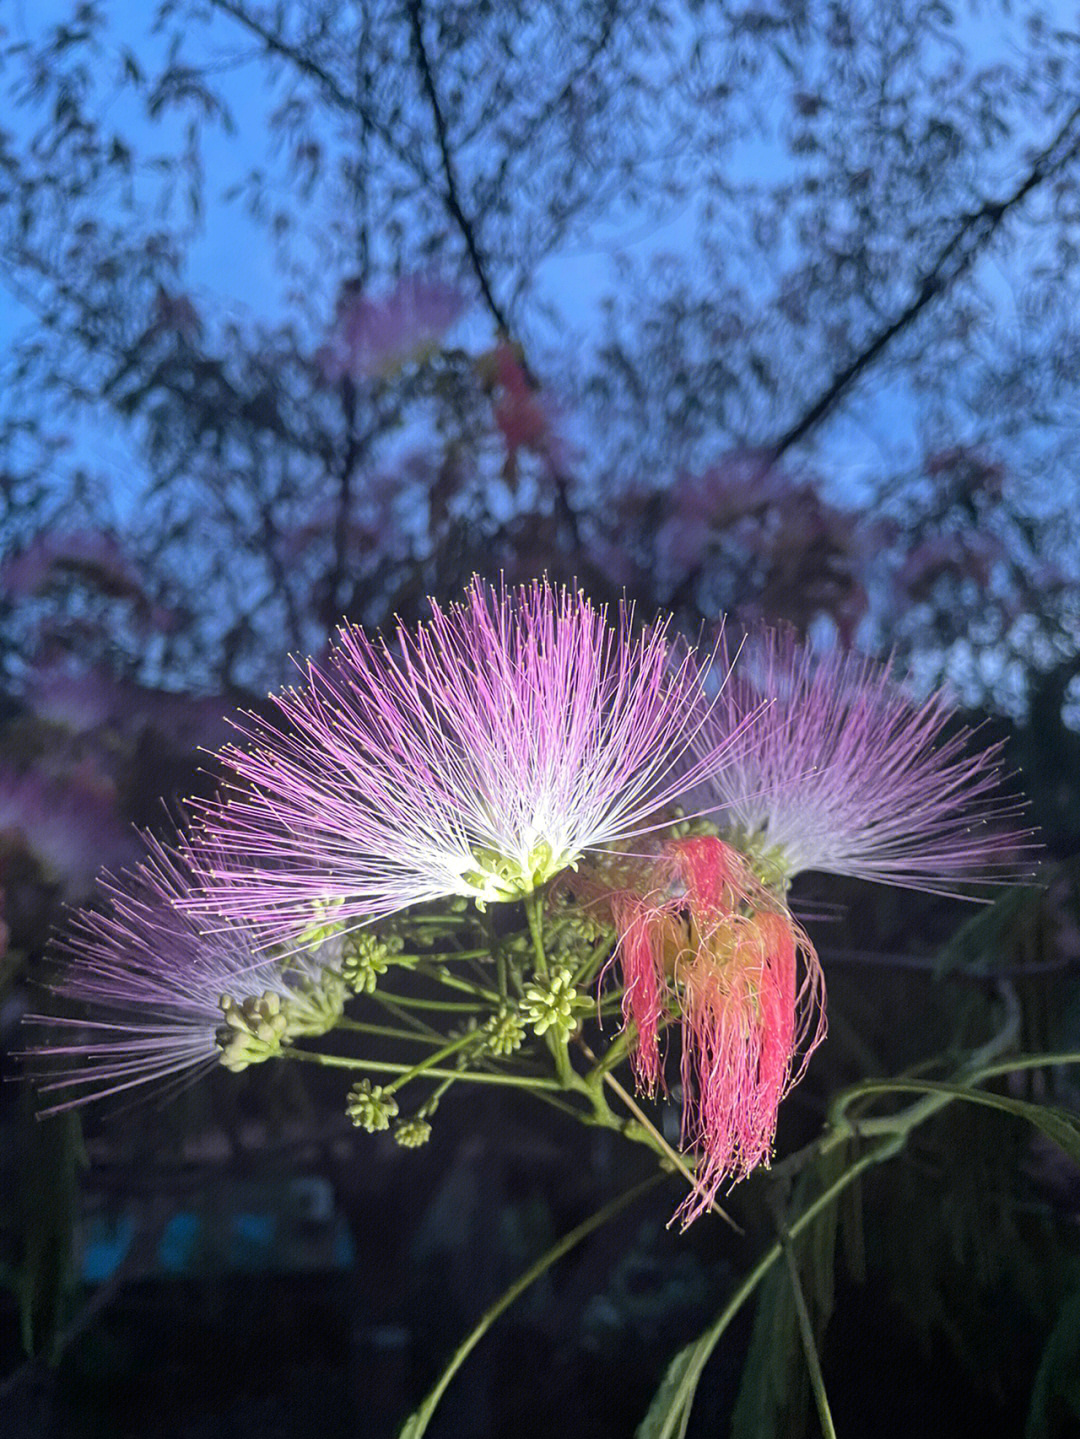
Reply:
x=370, y=1106
x=553, y=1003
x=499, y=877
x=504, y=1032
x=259, y=1027
x=255, y=1029
x=412, y=1133
x=367, y=956
x=768, y=862
x=572, y=931
x=684, y=828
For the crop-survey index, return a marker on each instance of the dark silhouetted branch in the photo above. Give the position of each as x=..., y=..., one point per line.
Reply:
x=973, y=233
x=451, y=187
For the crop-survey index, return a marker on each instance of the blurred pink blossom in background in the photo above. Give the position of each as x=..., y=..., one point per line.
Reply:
x=372, y=339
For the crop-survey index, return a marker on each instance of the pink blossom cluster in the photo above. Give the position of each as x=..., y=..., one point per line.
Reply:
x=523, y=734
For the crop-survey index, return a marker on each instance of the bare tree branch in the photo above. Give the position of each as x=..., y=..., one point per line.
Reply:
x=451, y=189
x=971, y=237
x=330, y=88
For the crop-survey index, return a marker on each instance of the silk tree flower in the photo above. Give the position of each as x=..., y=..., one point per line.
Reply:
x=478, y=756
x=845, y=773
x=703, y=943
x=163, y=995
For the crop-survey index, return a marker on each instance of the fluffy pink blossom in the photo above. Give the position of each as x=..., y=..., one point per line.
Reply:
x=138, y=999
x=478, y=755
x=843, y=772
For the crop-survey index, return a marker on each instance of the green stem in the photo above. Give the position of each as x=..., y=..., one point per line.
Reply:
x=379, y=1066
x=431, y=1103
x=387, y=1031
x=533, y=912
x=452, y=982
x=443, y=956
x=424, y=1065
x=806, y=1333
x=557, y=1042
x=418, y=1422
x=451, y=1005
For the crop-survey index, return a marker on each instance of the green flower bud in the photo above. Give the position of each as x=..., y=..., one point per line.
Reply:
x=412, y=1133
x=552, y=1004
x=685, y=828
x=314, y=1003
x=370, y=1107
x=262, y=1025
x=575, y=930
x=504, y=1033
x=255, y=1029
x=767, y=861
x=324, y=926
x=366, y=957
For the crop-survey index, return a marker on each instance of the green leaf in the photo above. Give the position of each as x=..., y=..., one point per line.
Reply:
x=52, y=1155
x=1057, y=1124
x=669, y=1411
x=771, y=1402
x=1055, y=1396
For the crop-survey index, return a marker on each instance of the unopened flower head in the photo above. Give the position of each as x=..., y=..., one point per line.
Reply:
x=161, y=993
x=478, y=756
x=702, y=942
x=841, y=771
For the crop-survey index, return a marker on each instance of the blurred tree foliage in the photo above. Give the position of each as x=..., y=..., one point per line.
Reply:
x=844, y=393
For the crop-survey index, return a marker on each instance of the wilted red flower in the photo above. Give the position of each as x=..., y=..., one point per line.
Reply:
x=701, y=940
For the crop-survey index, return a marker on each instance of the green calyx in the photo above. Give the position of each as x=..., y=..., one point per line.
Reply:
x=370, y=1107
x=366, y=957
x=553, y=1003
x=500, y=878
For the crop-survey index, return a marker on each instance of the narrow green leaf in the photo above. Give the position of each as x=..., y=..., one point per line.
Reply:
x=1057, y=1124
x=52, y=1155
x=1055, y=1396
x=670, y=1405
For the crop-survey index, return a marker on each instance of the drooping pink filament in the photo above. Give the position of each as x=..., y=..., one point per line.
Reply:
x=706, y=939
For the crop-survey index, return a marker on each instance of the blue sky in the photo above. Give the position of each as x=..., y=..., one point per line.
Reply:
x=232, y=271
